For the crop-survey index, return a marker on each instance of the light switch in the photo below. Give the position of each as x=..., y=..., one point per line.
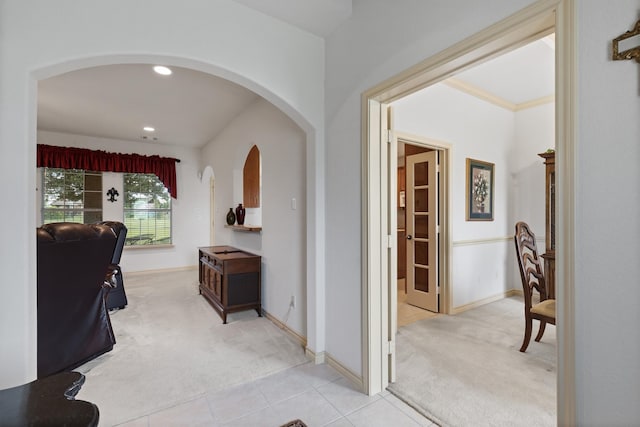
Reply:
x=293, y=204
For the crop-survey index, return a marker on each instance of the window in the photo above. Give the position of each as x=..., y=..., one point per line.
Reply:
x=71, y=195
x=147, y=210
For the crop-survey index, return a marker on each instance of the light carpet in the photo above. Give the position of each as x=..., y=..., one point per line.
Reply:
x=172, y=346
x=467, y=370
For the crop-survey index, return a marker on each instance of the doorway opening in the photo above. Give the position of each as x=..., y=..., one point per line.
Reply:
x=531, y=23
x=433, y=356
x=423, y=255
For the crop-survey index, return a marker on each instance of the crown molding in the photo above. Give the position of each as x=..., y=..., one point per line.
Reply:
x=536, y=102
x=482, y=94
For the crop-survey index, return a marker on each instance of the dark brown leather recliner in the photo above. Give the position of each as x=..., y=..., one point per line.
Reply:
x=73, y=322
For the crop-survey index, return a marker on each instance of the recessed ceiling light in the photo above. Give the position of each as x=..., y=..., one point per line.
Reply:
x=148, y=129
x=160, y=69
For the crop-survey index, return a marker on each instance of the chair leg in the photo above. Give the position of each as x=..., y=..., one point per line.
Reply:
x=543, y=324
x=527, y=334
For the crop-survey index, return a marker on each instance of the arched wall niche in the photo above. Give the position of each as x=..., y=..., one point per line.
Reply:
x=207, y=174
x=252, y=186
x=251, y=178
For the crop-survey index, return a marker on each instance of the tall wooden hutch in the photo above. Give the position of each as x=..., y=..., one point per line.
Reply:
x=550, y=221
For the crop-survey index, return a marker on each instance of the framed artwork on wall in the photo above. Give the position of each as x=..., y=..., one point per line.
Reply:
x=479, y=190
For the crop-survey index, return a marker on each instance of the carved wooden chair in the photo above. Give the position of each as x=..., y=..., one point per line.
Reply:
x=532, y=279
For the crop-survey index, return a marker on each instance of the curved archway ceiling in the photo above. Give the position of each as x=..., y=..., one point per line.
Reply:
x=187, y=108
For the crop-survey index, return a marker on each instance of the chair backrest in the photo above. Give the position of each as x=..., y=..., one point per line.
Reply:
x=121, y=232
x=529, y=263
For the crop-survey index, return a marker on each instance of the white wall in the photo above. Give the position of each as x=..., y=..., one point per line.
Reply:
x=282, y=242
x=481, y=131
x=380, y=40
x=607, y=295
x=42, y=38
x=360, y=55
x=484, y=263
x=190, y=211
x=535, y=134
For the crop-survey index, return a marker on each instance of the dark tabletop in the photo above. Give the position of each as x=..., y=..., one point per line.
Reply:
x=47, y=402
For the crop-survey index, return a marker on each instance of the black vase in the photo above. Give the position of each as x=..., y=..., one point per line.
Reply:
x=240, y=214
x=231, y=217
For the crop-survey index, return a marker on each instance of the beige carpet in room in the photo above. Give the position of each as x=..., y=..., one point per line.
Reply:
x=171, y=347
x=466, y=370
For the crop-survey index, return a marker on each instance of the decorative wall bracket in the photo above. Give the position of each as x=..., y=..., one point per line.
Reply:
x=112, y=193
x=632, y=53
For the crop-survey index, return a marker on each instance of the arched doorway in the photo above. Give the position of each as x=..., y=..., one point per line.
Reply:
x=311, y=321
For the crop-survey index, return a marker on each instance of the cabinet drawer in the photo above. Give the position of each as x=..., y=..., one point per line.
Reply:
x=212, y=263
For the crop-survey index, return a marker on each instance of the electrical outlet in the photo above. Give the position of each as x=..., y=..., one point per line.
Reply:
x=293, y=301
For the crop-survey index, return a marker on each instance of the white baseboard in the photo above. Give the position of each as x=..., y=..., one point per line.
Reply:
x=355, y=379
x=479, y=303
x=324, y=357
x=316, y=358
x=296, y=336
x=160, y=270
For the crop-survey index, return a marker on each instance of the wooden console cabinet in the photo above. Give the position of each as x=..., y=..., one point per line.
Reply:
x=230, y=279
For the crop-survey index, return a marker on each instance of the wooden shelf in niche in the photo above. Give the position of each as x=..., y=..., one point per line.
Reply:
x=247, y=228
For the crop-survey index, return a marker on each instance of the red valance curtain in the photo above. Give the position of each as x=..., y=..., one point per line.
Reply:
x=51, y=156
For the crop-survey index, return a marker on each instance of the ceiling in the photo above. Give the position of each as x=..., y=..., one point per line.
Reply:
x=519, y=77
x=189, y=108
x=319, y=17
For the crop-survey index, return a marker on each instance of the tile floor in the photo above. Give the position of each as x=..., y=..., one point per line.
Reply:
x=316, y=394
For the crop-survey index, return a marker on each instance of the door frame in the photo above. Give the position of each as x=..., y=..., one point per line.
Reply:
x=516, y=30
x=444, y=205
